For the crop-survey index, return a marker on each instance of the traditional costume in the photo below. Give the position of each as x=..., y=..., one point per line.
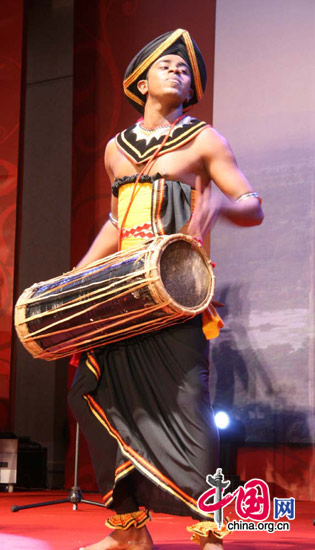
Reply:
x=143, y=403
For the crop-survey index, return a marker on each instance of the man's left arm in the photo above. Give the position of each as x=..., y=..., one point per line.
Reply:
x=240, y=204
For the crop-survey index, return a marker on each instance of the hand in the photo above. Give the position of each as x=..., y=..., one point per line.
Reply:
x=207, y=209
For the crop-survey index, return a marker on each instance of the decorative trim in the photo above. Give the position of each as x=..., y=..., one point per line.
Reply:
x=194, y=64
x=120, y=472
x=140, y=463
x=137, y=519
x=141, y=150
x=205, y=529
x=138, y=231
x=158, y=190
x=93, y=365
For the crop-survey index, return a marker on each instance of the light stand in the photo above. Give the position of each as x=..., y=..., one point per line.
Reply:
x=75, y=495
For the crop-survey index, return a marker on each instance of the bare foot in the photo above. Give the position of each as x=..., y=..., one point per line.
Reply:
x=131, y=539
x=211, y=543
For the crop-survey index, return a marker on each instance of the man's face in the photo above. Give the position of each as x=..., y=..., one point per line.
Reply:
x=170, y=76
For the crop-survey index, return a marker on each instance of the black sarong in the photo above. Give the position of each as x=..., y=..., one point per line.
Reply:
x=144, y=408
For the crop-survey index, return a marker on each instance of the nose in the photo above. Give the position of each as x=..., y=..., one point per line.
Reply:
x=174, y=69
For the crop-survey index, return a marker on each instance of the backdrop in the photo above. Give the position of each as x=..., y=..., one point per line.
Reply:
x=11, y=30
x=263, y=362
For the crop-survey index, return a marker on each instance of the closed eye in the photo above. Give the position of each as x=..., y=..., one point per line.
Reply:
x=182, y=69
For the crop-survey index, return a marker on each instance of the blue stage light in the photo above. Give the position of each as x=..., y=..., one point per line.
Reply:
x=222, y=420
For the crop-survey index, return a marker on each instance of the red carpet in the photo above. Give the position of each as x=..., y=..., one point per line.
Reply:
x=58, y=527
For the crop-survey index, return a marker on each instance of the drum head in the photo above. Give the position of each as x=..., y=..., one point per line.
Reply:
x=184, y=274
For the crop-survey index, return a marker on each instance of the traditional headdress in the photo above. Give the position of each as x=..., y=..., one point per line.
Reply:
x=177, y=42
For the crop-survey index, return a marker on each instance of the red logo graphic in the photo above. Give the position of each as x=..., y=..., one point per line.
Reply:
x=252, y=500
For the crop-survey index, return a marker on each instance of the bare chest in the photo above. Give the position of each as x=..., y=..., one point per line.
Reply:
x=182, y=164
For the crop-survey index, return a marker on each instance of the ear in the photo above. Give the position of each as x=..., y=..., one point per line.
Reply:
x=190, y=94
x=143, y=86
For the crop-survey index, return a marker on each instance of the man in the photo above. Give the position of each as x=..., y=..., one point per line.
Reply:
x=143, y=404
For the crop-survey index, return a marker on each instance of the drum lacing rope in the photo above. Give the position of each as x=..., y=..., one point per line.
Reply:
x=147, y=167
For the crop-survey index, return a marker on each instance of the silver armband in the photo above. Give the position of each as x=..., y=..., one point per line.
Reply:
x=113, y=220
x=249, y=196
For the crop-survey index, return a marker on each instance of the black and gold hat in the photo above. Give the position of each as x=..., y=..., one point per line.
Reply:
x=177, y=42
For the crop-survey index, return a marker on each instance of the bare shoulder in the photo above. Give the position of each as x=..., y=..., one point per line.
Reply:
x=109, y=156
x=110, y=148
x=220, y=164
x=211, y=142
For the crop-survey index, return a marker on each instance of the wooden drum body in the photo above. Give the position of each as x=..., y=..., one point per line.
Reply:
x=162, y=282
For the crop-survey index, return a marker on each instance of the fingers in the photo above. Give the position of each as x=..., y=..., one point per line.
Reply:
x=203, y=219
x=207, y=208
x=194, y=226
x=198, y=187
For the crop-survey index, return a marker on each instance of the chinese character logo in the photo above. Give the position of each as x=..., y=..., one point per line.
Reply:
x=219, y=485
x=284, y=507
x=252, y=500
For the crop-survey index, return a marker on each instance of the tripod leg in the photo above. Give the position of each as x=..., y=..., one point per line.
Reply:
x=49, y=503
x=75, y=495
x=93, y=502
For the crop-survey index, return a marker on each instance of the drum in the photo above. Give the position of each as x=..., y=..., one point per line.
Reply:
x=164, y=281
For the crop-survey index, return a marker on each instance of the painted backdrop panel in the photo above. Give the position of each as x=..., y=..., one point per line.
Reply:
x=264, y=103
x=11, y=28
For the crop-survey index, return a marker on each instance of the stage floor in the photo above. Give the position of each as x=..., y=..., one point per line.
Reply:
x=59, y=527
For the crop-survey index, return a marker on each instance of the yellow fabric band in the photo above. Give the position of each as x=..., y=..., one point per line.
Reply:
x=205, y=529
x=124, y=521
x=140, y=211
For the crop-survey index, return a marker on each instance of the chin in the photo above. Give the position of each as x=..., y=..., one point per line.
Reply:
x=175, y=95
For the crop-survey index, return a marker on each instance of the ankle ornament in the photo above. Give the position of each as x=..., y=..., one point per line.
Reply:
x=124, y=521
x=205, y=529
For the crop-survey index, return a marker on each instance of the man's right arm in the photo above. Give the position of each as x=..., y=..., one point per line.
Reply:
x=106, y=242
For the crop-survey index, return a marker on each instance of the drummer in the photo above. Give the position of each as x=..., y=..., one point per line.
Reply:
x=143, y=404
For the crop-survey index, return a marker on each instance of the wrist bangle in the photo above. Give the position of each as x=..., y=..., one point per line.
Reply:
x=113, y=220
x=249, y=196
